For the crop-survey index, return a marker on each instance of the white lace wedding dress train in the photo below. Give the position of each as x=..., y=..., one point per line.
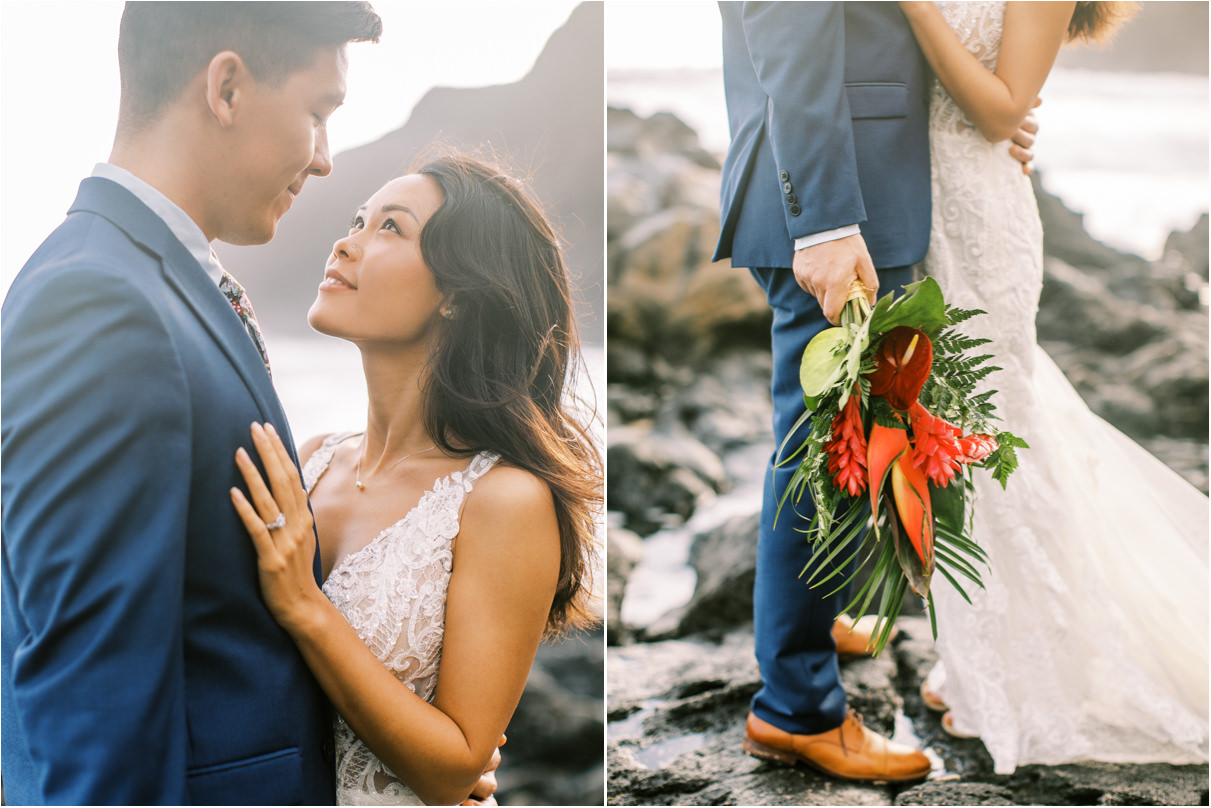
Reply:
x=393, y=592
x=1089, y=640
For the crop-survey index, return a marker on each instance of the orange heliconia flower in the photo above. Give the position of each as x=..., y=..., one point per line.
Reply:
x=902, y=365
x=889, y=456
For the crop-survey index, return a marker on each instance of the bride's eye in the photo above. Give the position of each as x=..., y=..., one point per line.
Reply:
x=390, y=224
x=355, y=223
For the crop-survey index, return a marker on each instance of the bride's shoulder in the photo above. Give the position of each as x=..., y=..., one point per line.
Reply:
x=510, y=501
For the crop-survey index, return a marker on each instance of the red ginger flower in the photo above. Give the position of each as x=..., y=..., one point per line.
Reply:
x=935, y=445
x=902, y=365
x=939, y=449
x=847, y=449
x=976, y=447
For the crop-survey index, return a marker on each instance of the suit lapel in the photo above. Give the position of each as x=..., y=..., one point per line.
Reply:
x=183, y=273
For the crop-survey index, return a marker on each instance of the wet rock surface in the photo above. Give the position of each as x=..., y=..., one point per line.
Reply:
x=676, y=722
x=689, y=372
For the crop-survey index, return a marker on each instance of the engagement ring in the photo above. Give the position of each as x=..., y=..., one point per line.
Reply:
x=276, y=524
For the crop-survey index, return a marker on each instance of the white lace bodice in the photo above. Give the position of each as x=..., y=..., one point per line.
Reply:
x=393, y=592
x=979, y=26
x=1089, y=640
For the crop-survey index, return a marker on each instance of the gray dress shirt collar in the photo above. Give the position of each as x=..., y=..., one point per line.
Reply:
x=178, y=221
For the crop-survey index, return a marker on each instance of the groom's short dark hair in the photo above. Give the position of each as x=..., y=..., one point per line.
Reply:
x=163, y=45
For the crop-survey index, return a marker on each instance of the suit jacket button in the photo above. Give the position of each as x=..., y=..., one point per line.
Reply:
x=787, y=187
x=791, y=198
x=784, y=175
x=796, y=210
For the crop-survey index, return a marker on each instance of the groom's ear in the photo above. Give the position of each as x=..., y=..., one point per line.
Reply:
x=226, y=77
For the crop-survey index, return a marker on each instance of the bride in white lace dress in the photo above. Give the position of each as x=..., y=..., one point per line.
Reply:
x=457, y=528
x=1089, y=640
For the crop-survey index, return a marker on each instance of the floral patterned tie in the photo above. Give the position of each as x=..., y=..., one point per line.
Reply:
x=238, y=298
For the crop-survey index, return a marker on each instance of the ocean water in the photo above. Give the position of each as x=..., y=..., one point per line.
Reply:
x=1128, y=150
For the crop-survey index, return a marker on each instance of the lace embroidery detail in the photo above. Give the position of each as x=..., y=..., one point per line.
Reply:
x=1087, y=642
x=393, y=593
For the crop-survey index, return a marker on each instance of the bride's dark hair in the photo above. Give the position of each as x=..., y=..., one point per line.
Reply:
x=1098, y=21
x=505, y=354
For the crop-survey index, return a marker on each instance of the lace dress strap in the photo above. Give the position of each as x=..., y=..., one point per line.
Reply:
x=480, y=465
x=317, y=464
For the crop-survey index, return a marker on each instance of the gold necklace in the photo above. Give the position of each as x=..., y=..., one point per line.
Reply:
x=361, y=486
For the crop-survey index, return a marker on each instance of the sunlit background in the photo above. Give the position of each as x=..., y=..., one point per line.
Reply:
x=60, y=88
x=59, y=83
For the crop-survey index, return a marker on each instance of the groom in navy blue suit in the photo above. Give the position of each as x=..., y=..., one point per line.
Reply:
x=139, y=663
x=826, y=179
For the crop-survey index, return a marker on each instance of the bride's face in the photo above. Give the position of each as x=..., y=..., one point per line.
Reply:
x=377, y=287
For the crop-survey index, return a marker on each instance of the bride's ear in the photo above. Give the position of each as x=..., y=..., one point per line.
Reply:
x=448, y=309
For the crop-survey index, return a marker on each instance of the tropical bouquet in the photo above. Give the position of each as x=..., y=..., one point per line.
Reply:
x=897, y=427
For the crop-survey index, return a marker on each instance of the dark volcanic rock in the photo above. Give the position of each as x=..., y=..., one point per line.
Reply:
x=1191, y=248
x=725, y=560
x=1076, y=308
x=624, y=549
x=665, y=293
x=1110, y=784
x=651, y=473
x=661, y=133
x=676, y=724
x=554, y=752
x=956, y=793
x=676, y=715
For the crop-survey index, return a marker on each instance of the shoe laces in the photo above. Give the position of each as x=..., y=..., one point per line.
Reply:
x=851, y=716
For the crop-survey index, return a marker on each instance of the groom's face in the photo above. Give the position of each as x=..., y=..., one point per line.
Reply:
x=279, y=140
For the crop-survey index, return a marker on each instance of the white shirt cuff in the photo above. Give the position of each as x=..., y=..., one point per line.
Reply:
x=828, y=235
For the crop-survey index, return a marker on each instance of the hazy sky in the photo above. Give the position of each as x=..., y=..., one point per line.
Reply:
x=645, y=34
x=59, y=85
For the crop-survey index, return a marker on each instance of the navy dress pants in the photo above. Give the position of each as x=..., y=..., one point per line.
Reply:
x=801, y=688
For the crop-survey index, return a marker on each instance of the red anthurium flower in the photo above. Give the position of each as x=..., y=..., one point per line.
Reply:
x=847, y=449
x=902, y=365
x=976, y=447
x=936, y=449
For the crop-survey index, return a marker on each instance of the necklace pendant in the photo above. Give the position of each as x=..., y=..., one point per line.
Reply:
x=360, y=485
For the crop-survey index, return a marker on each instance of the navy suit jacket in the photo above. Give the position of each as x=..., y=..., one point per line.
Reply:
x=139, y=663
x=828, y=109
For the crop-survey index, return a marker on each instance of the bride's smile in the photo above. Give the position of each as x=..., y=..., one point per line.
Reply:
x=377, y=286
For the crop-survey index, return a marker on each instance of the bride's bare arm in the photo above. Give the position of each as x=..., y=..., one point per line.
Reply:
x=995, y=102
x=506, y=563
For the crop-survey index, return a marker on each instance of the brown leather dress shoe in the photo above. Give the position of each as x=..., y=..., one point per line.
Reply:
x=850, y=752
x=854, y=638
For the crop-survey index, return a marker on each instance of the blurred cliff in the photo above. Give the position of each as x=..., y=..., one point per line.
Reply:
x=548, y=126
x=1164, y=37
